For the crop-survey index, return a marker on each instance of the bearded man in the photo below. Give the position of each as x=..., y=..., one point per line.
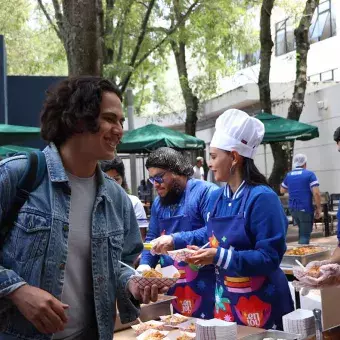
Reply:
x=181, y=205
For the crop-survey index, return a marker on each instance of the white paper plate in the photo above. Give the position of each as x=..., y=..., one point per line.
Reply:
x=173, y=323
x=147, y=334
x=152, y=324
x=176, y=334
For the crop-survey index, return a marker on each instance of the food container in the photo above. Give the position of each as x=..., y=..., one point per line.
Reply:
x=290, y=260
x=272, y=334
x=152, y=311
x=170, y=275
x=149, y=333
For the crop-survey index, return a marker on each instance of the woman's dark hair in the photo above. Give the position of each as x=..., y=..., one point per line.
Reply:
x=118, y=165
x=73, y=106
x=251, y=173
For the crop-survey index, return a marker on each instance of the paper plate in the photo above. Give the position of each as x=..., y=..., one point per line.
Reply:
x=143, y=327
x=146, y=335
x=175, y=335
x=175, y=321
x=188, y=326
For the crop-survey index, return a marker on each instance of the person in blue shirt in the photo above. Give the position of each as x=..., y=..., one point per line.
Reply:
x=246, y=229
x=181, y=205
x=302, y=185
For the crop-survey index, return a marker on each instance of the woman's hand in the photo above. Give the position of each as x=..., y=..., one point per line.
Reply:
x=202, y=256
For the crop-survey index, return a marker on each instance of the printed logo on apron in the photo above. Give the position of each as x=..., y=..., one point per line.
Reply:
x=253, y=311
x=187, y=301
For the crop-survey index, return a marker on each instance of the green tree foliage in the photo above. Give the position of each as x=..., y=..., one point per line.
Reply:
x=32, y=46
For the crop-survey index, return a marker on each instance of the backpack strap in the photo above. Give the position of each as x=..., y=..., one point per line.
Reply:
x=29, y=181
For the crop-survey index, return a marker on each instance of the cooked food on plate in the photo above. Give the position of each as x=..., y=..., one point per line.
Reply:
x=141, y=328
x=190, y=328
x=175, y=319
x=303, y=250
x=184, y=337
x=155, y=336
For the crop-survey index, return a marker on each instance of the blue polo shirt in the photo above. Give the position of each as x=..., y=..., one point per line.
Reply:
x=299, y=183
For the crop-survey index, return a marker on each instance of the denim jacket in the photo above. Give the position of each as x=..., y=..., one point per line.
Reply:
x=35, y=251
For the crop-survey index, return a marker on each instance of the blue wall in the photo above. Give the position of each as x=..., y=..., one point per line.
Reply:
x=26, y=95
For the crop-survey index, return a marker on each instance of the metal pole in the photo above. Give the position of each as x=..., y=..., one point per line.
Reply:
x=129, y=98
x=3, y=80
x=265, y=160
x=143, y=166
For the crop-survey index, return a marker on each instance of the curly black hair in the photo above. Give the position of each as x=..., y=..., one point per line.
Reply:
x=73, y=106
x=336, y=135
x=118, y=165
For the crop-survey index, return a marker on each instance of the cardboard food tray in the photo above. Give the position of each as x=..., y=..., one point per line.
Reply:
x=151, y=311
x=272, y=334
x=289, y=260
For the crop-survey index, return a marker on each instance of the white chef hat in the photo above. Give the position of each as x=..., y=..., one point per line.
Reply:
x=237, y=131
x=299, y=160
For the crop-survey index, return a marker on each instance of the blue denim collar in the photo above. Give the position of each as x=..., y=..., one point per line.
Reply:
x=57, y=173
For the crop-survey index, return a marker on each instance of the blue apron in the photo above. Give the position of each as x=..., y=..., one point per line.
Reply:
x=257, y=301
x=194, y=289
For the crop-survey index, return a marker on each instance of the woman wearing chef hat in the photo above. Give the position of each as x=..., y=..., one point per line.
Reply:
x=246, y=230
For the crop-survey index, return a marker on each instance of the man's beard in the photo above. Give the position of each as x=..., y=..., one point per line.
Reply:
x=174, y=195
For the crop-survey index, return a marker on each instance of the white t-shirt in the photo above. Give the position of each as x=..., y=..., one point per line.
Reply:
x=139, y=210
x=198, y=172
x=78, y=286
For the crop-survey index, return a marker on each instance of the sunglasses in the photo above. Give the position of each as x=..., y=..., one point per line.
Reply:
x=158, y=178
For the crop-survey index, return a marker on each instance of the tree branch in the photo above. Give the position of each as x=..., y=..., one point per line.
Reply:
x=142, y=3
x=142, y=33
x=59, y=17
x=126, y=80
x=48, y=17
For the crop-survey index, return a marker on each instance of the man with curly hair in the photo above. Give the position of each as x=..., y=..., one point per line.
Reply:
x=59, y=272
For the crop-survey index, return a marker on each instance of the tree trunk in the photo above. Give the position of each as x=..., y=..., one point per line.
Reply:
x=280, y=167
x=179, y=50
x=279, y=155
x=83, y=42
x=191, y=101
x=302, y=47
x=265, y=55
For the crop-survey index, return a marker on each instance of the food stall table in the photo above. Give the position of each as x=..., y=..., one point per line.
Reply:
x=242, y=331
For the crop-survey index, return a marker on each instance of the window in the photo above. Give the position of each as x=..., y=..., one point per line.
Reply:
x=324, y=76
x=284, y=37
x=323, y=26
x=323, y=23
x=248, y=59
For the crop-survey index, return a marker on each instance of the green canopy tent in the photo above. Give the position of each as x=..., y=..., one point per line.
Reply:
x=7, y=150
x=15, y=134
x=152, y=137
x=279, y=129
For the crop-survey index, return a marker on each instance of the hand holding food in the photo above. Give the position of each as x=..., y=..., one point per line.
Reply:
x=162, y=244
x=203, y=256
x=317, y=274
x=146, y=293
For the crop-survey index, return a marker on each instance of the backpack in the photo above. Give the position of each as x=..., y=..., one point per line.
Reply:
x=29, y=181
